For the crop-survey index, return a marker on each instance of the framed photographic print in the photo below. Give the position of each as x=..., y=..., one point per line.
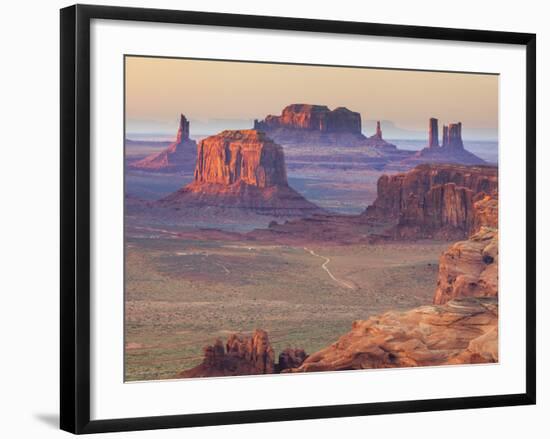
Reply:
x=268, y=218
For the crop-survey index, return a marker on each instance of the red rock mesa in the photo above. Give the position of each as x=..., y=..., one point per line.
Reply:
x=242, y=169
x=317, y=125
x=434, y=200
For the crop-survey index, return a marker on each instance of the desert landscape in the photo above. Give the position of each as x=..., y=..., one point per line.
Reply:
x=301, y=243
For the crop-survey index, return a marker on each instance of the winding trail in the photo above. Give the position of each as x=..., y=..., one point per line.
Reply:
x=324, y=267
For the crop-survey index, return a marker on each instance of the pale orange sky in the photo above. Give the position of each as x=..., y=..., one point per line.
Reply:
x=159, y=89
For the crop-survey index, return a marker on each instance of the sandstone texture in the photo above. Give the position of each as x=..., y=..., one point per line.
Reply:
x=469, y=268
x=242, y=169
x=437, y=201
x=244, y=355
x=461, y=331
x=179, y=156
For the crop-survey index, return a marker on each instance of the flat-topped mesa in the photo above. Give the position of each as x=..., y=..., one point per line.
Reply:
x=179, y=156
x=314, y=125
x=314, y=118
x=434, y=200
x=433, y=133
x=242, y=169
x=244, y=156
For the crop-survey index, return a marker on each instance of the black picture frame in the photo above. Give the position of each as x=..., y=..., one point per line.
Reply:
x=75, y=217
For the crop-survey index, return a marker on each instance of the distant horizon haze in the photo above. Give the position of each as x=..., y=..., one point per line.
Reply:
x=217, y=95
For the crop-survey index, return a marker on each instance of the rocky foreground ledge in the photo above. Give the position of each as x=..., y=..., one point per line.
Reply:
x=461, y=331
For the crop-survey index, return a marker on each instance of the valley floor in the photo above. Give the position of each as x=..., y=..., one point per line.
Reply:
x=184, y=292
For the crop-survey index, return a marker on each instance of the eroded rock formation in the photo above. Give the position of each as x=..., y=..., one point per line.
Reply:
x=451, y=149
x=435, y=200
x=469, y=268
x=241, y=169
x=314, y=125
x=377, y=141
x=179, y=156
x=244, y=355
x=461, y=331
x=313, y=117
x=433, y=133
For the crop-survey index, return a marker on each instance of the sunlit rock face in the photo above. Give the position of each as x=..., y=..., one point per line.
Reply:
x=463, y=331
x=469, y=268
x=436, y=200
x=242, y=169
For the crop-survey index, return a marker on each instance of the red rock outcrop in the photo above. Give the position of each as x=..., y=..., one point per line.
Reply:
x=461, y=331
x=244, y=355
x=179, y=156
x=377, y=141
x=241, y=169
x=291, y=358
x=485, y=212
x=452, y=136
x=434, y=200
x=314, y=125
x=433, y=133
x=469, y=268
x=451, y=150
x=313, y=117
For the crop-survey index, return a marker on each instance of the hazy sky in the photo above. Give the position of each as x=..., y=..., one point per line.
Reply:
x=214, y=93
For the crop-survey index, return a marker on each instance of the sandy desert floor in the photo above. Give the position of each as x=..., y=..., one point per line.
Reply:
x=182, y=294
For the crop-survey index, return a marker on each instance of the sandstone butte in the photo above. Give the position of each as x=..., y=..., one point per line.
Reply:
x=317, y=125
x=242, y=169
x=435, y=200
x=179, y=156
x=244, y=355
x=451, y=149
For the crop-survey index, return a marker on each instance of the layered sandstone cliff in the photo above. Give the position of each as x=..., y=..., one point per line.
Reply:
x=179, y=156
x=434, y=200
x=241, y=169
x=461, y=331
x=469, y=268
x=313, y=118
x=244, y=355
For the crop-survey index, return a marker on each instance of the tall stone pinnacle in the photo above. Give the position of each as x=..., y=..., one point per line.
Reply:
x=433, y=133
x=183, y=130
x=452, y=136
x=378, y=130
